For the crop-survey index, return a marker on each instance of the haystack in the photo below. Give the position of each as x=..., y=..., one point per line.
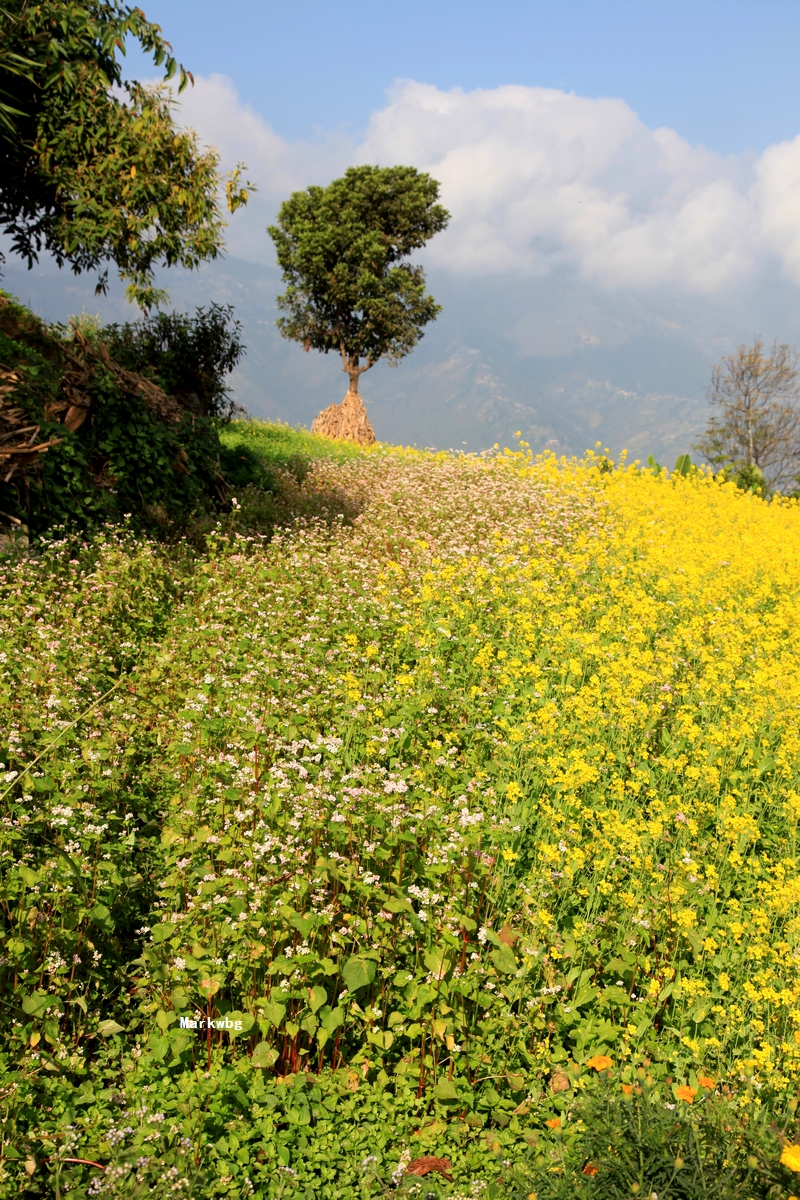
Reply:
x=347, y=420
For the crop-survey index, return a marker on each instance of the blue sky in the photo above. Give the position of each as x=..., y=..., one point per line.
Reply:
x=723, y=74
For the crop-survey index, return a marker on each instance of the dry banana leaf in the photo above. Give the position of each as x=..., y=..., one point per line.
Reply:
x=421, y=1166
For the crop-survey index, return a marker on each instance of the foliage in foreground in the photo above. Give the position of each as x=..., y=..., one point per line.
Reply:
x=477, y=811
x=94, y=169
x=100, y=449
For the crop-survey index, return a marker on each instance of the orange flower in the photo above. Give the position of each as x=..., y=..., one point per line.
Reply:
x=553, y=1123
x=589, y=1169
x=705, y=1082
x=600, y=1062
x=686, y=1093
x=627, y=1088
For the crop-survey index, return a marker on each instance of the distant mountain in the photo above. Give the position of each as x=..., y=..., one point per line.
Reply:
x=566, y=364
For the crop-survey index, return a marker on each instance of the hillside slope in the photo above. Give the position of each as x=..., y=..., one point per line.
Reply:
x=465, y=804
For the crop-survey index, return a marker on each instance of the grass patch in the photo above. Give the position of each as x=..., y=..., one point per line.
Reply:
x=267, y=446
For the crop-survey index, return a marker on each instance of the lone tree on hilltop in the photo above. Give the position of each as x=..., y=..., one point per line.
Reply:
x=93, y=168
x=343, y=251
x=756, y=435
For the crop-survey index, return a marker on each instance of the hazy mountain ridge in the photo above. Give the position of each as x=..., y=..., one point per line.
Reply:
x=565, y=364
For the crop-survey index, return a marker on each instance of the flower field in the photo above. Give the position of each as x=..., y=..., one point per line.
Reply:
x=471, y=798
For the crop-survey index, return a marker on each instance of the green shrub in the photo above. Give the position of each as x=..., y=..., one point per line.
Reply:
x=189, y=357
x=123, y=457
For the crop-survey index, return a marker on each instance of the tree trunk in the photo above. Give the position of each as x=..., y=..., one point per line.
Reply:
x=347, y=420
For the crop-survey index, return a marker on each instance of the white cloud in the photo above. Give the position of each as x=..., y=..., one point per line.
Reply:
x=213, y=108
x=537, y=178
x=277, y=167
x=778, y=195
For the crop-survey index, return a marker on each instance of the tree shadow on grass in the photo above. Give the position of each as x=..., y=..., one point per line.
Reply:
x=298, y=495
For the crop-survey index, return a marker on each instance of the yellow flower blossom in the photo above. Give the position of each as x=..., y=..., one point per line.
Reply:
x=790, y=1157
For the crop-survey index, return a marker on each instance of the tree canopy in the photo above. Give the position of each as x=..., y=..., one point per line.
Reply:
x=343, y=251
x=93, y=168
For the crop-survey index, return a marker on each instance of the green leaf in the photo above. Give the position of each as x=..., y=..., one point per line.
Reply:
x=100, y=915
x=298, y=1114
x=310, y=1025
x=303, y=925
x=162, y=931
x=331, y=1018
x=446, y=1090
x=381, y=1038
x=317, y=997
x=504, y=960
x=108, y=1027
x=38, y=1003
x=437, y=963
x=616, y=995
x=246, y=1020
x=273, y=1011
x=165, y=1019
x=358, y=972
x=264, y=1056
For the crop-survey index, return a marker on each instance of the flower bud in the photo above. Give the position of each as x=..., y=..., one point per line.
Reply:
x=678, y=1163
x=752, y=1162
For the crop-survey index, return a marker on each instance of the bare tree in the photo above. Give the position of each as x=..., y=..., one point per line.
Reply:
x=758, y=425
